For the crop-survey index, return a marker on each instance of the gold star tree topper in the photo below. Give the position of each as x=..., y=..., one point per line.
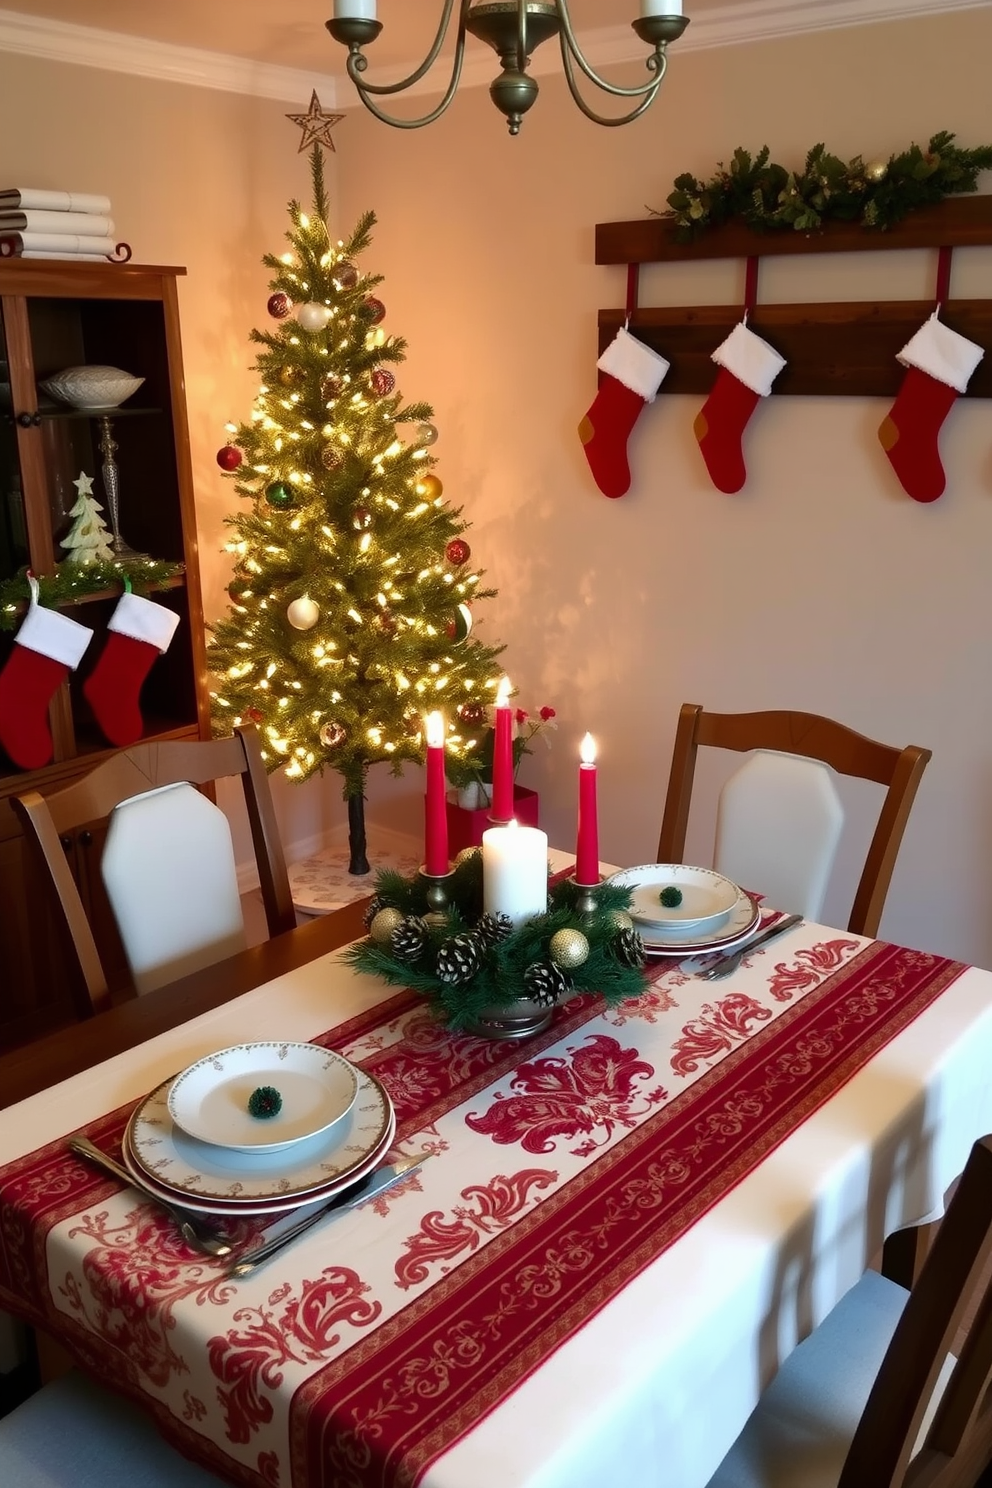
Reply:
x=316, y=124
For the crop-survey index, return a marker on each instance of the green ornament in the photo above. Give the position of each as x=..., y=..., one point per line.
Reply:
x=382, y=927
x=279, y=495
x=568, y=949
x=670, y=896
x=264, y=1102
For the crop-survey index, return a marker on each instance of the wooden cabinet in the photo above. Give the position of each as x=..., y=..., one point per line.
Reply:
x=55, y=315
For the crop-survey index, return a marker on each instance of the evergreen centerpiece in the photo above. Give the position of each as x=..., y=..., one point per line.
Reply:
x=350, y=613
x=467, y=963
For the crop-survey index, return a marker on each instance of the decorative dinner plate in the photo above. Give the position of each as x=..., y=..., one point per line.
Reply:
x=705, y=903
x=313, y=1088
x=238, y=1209
x=200, y=1172
x=744, y=920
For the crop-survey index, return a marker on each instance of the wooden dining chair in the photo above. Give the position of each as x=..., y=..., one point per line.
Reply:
x=875, y=1397
x=779, y=817
x=75, y=1434
x=168, y=860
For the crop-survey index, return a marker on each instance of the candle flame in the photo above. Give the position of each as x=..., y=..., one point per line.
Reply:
x=503, y=693
x=587, y=750
x=435, y=731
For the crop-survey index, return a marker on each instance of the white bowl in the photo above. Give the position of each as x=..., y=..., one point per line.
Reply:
x=92, y=387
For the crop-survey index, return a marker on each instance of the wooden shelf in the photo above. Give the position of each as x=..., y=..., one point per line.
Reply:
x=833, y=348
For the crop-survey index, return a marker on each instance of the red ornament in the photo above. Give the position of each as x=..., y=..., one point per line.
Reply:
x=458, y=552
x=472, y=713
x=345, y=276
x=252, y=715
x=331, y=457
x=373, y=310
x=230, y=457
x=361, y=519
x=382, y=381
x=331, y=387
x=279, y=305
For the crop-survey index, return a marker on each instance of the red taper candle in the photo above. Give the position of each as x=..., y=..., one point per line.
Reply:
x=587, y=841
x=502, y=806
x=435, y=807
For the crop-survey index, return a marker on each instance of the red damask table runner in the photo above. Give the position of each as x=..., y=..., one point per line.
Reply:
x=562, y=1169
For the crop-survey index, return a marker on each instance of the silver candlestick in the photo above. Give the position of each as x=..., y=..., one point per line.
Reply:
x=111, y=485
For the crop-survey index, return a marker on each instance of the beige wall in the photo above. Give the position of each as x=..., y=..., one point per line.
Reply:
x=820, y=586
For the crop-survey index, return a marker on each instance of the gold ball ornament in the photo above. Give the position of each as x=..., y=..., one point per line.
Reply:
x=303, y=613
x=619, y=919
x=465, y=854
x=332, y=734
x=568, y=949
x=382, y=927
x=876, y=171
x=429, y=487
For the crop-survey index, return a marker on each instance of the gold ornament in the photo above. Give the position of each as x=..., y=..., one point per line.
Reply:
x=332, y=734
x=429, y=487
x=876, y=170
x=568, y=949
x=466, y=853
x=619, y=919
x=382, y=927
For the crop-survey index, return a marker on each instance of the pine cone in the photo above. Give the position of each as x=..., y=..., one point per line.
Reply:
x=460, y=958
x=545, y=984
x=493, y=928
x=409, y=939
x=628, y=948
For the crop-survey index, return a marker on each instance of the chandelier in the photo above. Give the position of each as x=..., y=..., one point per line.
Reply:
x=513, y=28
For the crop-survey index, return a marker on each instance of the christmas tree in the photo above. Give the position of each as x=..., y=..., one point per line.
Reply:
x=352, y=586
x=88, y=539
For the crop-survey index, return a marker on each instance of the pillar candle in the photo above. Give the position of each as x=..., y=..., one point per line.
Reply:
x=435, y=804
x=354, y=10
x=502, y=808
x=587, y=841
x=515, y=871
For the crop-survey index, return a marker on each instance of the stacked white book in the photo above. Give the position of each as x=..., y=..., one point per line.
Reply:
x=55, y=224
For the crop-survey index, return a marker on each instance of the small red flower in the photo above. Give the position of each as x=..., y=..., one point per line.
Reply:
x=521, y=715
x=547, y=714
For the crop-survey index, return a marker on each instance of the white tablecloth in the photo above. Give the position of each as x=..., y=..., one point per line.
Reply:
x=654, y=1388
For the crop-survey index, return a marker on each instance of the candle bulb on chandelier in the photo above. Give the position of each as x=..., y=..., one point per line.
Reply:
x=661, y=7
x=436, y=862
x=349, y=10
x=502, y=808
x=587, y=839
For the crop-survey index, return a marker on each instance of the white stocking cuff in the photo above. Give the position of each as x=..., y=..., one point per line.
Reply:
x=54, y=635
x=941, y=353
x=634, y=364
x=750, y=359
x=143, y=620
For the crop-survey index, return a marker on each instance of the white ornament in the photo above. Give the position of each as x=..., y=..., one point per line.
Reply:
x=303, y=613
x=374, y=339
x=313, y=317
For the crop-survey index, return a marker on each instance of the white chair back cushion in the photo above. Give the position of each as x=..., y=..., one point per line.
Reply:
x=779, y=821
x=171, y=878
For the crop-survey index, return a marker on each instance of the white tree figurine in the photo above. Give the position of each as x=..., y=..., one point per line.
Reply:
x=88, y=540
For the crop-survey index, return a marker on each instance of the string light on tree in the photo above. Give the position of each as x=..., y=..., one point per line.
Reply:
x=342, y=602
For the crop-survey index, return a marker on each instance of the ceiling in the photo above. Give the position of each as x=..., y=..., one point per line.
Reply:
x=290, y=33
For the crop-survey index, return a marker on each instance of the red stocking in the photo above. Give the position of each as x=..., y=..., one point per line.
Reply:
x=138, y=633
x=633, y=375
x=940, y=364
x=47, y=648
x=748, y=367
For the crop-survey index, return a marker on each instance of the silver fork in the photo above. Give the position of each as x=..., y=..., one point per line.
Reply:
x=727, y=965
x=192, y=1232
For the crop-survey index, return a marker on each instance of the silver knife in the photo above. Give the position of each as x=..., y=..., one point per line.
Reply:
x=733, y=959
x=359, y=1193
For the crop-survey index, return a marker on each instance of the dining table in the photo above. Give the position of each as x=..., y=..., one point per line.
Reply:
x=620, y=1227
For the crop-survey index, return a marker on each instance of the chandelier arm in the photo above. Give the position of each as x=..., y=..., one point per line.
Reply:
x=656, y=62
x=435, y=113
x=628, y=118
x=357, y=61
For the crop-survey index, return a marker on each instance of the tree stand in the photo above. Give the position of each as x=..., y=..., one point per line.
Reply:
x=357, y=859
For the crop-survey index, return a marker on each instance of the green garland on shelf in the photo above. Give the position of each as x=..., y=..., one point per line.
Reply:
x=878, y=194
x=72, y=582
x=464, y=961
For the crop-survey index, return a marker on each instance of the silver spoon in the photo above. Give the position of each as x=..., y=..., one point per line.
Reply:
x=190, y=1230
